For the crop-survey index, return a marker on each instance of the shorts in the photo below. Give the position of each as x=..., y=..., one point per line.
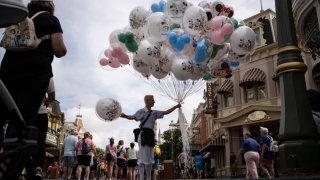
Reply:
x=132, y=163
x=69, y=161
x=120, y=162
x=155, y=165
x=84, y=160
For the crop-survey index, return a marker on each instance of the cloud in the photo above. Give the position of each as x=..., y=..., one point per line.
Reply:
x=80, y=80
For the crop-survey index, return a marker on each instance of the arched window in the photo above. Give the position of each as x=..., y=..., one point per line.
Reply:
x=226, y=90
x=253, y=83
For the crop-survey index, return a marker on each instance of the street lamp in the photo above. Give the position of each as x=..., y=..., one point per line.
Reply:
x=172, y=126
x=299, y=152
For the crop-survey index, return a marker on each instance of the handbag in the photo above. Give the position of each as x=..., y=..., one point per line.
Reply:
x=137, y=131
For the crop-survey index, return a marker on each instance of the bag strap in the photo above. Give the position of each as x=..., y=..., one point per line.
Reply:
x=34, y=16
x=145, y=119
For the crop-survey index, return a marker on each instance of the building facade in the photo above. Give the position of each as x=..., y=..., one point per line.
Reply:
x=251, y=97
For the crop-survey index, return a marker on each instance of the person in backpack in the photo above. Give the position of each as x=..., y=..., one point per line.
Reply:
x=26, y=74
x=84, y=153
x=147, y=118
x=121, y=151
x=111, y=157
x=267, y=156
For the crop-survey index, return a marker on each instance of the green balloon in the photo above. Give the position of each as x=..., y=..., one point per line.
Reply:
x=122, y=38
x=132, y=47
x=207, y=76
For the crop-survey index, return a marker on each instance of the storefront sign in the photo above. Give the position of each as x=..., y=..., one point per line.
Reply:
x=257, y=116
x=51, y=139
x=210, y=99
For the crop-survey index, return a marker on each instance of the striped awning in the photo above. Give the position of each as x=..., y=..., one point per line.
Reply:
x=316, y=71
x=226, y=87
x=254, y=75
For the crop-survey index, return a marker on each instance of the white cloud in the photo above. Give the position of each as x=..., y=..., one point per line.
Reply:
x=80, y=80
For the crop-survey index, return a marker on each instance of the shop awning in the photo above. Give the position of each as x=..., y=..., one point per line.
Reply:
x=226, y=87
x=316, y=71
x=254, y=75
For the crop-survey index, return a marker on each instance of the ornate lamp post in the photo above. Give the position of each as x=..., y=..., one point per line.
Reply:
x=299, y=152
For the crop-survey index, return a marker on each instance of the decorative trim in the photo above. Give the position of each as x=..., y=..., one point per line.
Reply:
x=288, y=48
x=291, y=66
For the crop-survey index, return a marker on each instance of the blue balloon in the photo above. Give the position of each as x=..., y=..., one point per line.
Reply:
x=185, y=38
x=234, y=63
x=172, y=36
x=155, y=8
x=163, y=6
x=201, y=50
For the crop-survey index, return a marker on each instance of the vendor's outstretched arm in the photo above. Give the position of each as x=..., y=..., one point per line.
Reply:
x=128, y=117
x=171, y=109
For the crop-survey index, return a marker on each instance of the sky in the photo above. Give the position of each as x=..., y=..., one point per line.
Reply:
x=79, y=79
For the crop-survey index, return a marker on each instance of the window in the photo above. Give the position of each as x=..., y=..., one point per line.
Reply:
x=228, y=100
x=255, y=92
x=258, y=40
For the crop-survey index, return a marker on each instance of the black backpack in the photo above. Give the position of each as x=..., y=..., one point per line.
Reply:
x=85, y=147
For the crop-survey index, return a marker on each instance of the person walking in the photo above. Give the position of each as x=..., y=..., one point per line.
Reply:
x=85, y=149
x=26, y=74
x=69, y=153
x=111, y=157
x=42, y=124
x=198, y=164
x=132, y=155
x=121, y=151
x=233, y=165
x=147, y=117
x=267, y=156
x=250, y=147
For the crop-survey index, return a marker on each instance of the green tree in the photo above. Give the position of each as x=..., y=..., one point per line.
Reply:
x=99, y=151
x=166, y=146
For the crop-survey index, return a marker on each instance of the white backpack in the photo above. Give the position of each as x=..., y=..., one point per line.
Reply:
x=22, y=36
x=273, y=145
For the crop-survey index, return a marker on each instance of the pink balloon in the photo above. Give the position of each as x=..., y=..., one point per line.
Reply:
x=103, y=62
x=107, y=53
x=219, y=29
x=114, y=63
x=124, y=59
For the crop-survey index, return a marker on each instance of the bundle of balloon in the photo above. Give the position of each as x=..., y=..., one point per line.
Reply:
x=177, y=37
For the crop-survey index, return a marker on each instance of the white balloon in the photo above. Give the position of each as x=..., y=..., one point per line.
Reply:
x=138, y=17
x=181, y=68
x=108, y=109
x=177, y=8
x=139, y=65
x=243, y=58
x=198, y=71
x=149, y=52
x=158, y=27
x=113, y=37
x=243, y=40
x=221, y=68
x=157, y=71
x=217, y=8
x=222, y=52
x=166, y=59
x=194, y=20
